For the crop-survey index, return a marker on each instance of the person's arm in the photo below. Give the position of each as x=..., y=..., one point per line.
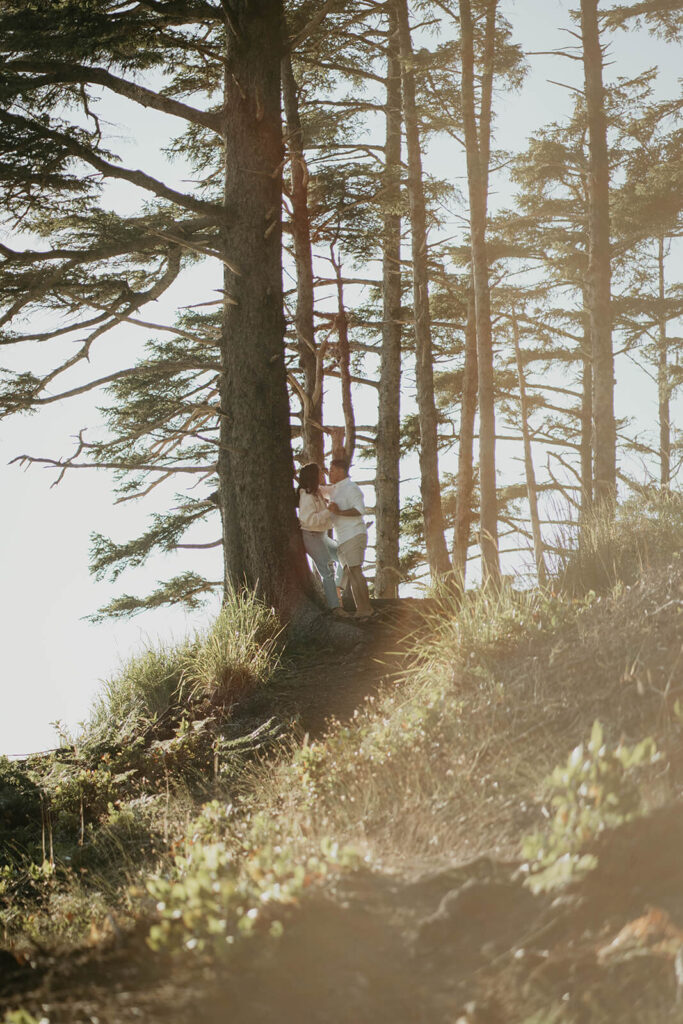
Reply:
x=343, y=511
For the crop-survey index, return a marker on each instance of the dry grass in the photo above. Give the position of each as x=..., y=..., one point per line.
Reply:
x=449, y=762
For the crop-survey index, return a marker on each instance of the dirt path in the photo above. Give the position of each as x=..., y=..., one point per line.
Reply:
x=319, y=685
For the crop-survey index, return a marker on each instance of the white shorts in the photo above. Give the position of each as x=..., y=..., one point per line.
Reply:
x=352, y=551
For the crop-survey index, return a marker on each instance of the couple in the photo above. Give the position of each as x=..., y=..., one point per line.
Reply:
x=339, y=506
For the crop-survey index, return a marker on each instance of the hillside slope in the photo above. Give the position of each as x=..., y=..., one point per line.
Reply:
x=410, y=863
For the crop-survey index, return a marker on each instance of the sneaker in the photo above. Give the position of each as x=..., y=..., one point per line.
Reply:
x=341, y=613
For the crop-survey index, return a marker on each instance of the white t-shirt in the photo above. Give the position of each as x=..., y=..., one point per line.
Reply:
x=313, y=513
x=347, y=495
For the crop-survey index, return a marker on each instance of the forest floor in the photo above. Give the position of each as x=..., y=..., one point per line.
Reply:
x=447, y=929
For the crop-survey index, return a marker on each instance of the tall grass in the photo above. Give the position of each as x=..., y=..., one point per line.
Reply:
x=144, y=690
x=237, y=653
x=646, y=531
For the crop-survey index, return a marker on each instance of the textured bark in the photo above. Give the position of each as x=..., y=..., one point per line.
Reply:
x=530, y=474
x=586, y=442
x=477, y=181
x=387, y=485
x=344, y=364
x=586, y=436
x=312, y=397
x=599, y=265
x=430, y=489
x=262, y=542
x=465, y=483
x=337, y=436
x=663, y=387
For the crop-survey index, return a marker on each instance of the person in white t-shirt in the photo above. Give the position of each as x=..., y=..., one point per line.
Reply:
x=348, y=508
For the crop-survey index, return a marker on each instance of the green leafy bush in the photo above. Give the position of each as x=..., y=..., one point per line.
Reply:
x=19, y=802
x=595, y=790
x=219, y=893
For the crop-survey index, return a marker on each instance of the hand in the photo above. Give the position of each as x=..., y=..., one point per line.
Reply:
x=334, y=508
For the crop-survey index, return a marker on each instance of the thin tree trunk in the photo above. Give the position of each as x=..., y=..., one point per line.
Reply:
x=344, y=363
x=468, y=409
x=312, y=402
x=262, y=542
x=663, y=389
x=477, y=177
x=586, y=443
x=532, y=493
x=387, y=482
x=437, y=551
x=599, y=266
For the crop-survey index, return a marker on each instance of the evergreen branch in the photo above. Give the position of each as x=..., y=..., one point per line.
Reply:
x=188, y=589
x=58, y=73
x=88, y=156
x=149, y=240
x=133, y=371
x=64, y=464
x=140, y=299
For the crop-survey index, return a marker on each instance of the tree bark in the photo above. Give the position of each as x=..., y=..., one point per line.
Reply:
x=262, y=542
x=663, y=387
x=387, y=482
x=599, y=262
x=465, y=482
x=531, y=490
x=312, y=398
x=586, y=442
x=477, y=180
x=430, y=489
x=344, y=363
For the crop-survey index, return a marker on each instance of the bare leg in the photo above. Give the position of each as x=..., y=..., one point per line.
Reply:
x=360, y=591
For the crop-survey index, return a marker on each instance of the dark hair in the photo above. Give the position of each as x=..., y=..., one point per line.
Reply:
x=342, y=464
x=309, y=479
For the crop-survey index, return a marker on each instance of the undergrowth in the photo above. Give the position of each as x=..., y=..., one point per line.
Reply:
x=181, y=822
x=83, y=825
x=646, y=530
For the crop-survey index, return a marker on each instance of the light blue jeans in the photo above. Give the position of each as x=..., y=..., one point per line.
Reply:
x=323, y=553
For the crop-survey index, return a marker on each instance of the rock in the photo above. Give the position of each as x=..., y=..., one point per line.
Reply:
x=477, y=913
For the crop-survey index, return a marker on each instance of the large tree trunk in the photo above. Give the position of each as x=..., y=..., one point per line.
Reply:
x=312, y=400
x=599, y=268
x=663, y=387
x=465, y=482
x=532, y=493
x=430, y=488
x=387, y=482
x=477, y=180
x=262, y=543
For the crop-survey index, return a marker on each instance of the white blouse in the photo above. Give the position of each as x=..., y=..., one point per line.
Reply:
x=313, y=513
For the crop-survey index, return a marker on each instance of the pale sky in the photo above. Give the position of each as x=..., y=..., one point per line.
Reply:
x=51, y=661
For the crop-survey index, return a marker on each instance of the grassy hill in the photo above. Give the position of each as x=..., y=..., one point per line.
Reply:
x=473, y=815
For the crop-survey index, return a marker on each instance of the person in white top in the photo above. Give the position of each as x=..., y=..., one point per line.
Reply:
x=348, y=508
x=315, y=519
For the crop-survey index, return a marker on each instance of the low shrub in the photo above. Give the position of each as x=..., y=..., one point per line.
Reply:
x=595, y=790
x=645, y=532
x=222, y=891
